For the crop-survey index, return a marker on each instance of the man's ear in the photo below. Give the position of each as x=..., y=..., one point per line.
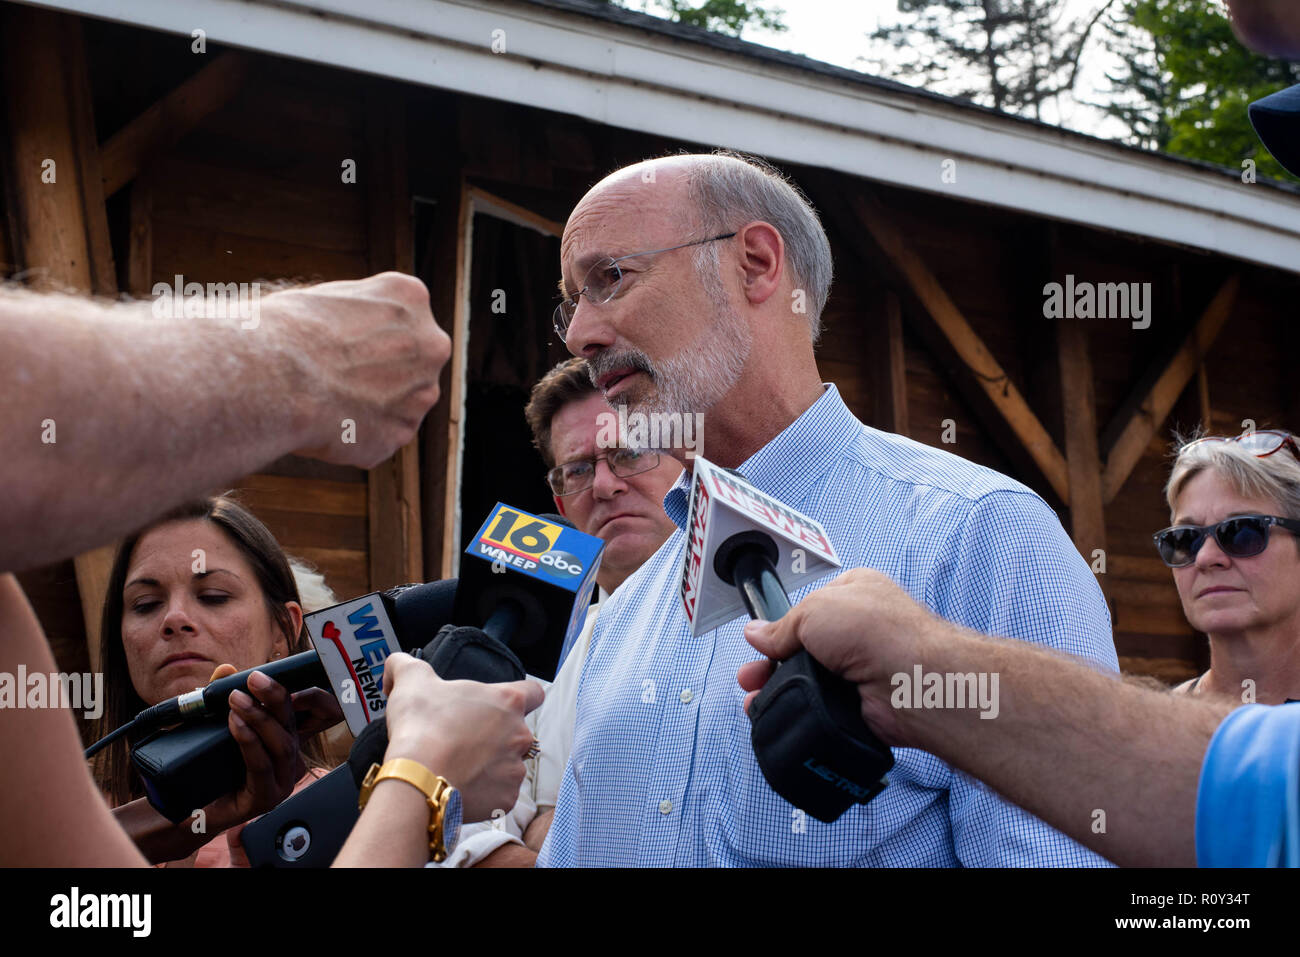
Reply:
x=559, y=505
x=762, y=260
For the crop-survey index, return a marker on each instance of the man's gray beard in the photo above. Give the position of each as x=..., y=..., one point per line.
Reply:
x=699, y=376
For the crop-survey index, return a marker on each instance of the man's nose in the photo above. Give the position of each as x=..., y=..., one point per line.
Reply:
x=606, y=483
x=590, y=331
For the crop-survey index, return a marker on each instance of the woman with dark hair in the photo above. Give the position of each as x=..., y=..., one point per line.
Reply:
x=202, y=592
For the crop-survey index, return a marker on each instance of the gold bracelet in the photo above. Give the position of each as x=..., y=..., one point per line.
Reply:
x=436, y=790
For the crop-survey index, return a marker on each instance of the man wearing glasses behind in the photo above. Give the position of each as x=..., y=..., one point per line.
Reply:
x=617, y=495
x=719, y=315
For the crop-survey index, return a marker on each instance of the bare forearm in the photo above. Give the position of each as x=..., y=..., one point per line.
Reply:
x=1110, y=763
x=53, y=814
x=510, y=855
x=538, y=828
x=393, y=830
x=135, y=413
x=157, y=838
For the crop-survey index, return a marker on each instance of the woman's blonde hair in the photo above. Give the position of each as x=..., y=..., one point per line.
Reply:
x=1275, y=476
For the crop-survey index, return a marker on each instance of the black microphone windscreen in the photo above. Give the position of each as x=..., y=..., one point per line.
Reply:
x=368, y=749
x=455, y=653
x=420, y=611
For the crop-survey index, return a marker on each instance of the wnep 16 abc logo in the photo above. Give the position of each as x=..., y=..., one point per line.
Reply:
x=524, y=541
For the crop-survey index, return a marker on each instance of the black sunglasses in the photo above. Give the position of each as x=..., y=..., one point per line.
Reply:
x=1240, y=536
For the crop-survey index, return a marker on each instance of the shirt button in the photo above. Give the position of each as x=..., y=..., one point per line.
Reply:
x=665, y=807
x=686, y=696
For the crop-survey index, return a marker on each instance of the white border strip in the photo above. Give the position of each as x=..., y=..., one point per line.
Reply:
x=627, y=77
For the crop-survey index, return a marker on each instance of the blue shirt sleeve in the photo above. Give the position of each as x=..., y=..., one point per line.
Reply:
x=1248, y=799
x=1009, y=569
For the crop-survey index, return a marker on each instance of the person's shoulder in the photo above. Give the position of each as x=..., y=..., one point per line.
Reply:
x=920, y=469
x=1187, y=686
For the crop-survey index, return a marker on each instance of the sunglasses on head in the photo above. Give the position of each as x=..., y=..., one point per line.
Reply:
x=1240, y=537
x=1261, y=444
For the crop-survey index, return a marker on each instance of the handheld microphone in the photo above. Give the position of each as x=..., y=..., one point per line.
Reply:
x=309, y=828
x=187, y=768
x=213, y=701
x=419, y=606
x=806, y=724
x=530, y=578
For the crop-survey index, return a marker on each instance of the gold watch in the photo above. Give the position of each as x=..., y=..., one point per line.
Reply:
x=444, y=800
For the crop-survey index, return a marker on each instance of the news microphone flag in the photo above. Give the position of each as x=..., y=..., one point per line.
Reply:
x=549, y=567
x=353, y=640
x=724, y=504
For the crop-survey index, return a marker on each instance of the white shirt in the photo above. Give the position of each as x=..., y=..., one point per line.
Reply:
x=552, y=725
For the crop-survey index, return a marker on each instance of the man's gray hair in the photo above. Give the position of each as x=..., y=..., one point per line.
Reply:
x=728, y=189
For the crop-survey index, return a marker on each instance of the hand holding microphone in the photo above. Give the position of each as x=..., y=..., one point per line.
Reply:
x=262, y=723
x=269, y=724
x=470, y=733
x=807, y=730
x=861, y=626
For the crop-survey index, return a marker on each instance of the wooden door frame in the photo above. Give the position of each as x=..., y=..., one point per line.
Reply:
x=473, y=201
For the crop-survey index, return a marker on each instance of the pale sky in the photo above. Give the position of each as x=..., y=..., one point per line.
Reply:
x=834, y=31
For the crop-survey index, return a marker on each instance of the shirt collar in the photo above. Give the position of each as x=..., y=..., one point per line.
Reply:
x=789, y=464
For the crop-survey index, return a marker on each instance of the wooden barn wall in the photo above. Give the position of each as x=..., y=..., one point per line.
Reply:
x=254, y=192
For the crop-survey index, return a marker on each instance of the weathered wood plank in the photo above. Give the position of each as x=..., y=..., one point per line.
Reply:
x=168, y=120
x=59, y=220
x=313, y=496
x=980, y=363
x=396, y=547
x=1078, y=405
x=1144, y=414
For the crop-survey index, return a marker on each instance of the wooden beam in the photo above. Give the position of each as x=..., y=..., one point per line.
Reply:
x=455, y=398
x=168, y=120
x=978, y=360
x=437, y=180
x=1143, y=415
x=1203, y=398
x=53, y=161
x=59, y=221
x=93, y=570
x=396, y=547
x=1087, y=515
x=438, y=270
x=139, y=253
x=486, y=202
x=889, y=367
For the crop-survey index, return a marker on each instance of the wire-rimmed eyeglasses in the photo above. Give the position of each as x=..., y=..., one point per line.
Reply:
x=573, y=477
x=601, y=283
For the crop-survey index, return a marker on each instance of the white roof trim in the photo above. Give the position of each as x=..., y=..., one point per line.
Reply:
x=658, y=84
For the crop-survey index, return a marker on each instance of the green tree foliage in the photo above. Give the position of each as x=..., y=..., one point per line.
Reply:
x=720, y=16
x=1013, y=55
x=1185, y=82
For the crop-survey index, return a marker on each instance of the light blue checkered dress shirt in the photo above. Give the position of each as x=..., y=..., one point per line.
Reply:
x=662, y=771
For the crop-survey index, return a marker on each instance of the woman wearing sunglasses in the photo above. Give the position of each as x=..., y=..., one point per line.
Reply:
x=1234, y=549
